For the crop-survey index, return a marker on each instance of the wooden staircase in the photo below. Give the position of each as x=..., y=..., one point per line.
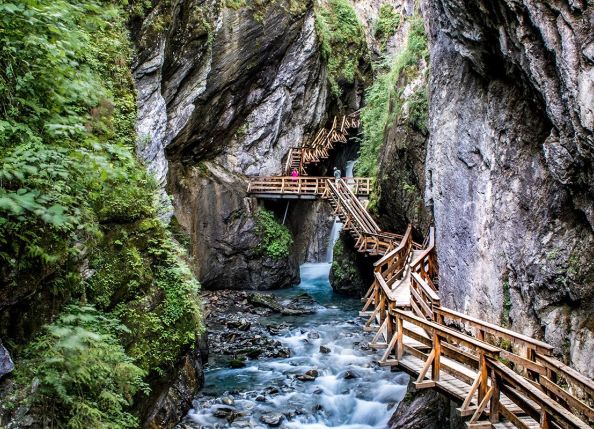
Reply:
x=298, y=158
x=520, y=385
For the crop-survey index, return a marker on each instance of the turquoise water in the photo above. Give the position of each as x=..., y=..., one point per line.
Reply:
x=366, y=401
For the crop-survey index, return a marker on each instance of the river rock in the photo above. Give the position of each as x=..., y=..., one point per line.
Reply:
x=260, y=398
x=305, y=377
x=325, y=350
x=6, y=364
x=349, y=375
x=312, y=373
x=272, y=419
x=313, y=335
x=265, y=300
x=227, y=400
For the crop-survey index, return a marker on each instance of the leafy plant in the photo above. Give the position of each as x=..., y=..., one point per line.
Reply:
x=71, y=189
x=85, y=378
x=275, y=239
x=386, y=25
x=342, y=42
x=384, y=99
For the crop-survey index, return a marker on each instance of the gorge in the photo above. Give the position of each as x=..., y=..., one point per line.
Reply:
x=144, y=283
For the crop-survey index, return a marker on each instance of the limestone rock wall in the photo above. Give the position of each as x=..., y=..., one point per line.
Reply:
x=510, y=165
x=223, y=93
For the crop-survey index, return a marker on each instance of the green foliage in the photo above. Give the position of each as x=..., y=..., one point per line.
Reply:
x=507, y=304
x=71, y=187
x=63, y=141
x=343, y=270
x=235, y=4
x=384, y=101
x=386, y=25
x=275, y=239
x=418, y=109
x=85, y=378
x=342, y=42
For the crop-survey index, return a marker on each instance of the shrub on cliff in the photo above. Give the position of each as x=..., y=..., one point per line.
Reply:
x=342, y=42
x=275, y=239
x=84, y=379
x=385, y=101
x=72, y=193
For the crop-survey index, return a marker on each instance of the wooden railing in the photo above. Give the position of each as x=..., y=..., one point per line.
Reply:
x=319, y=148
x=485, y=378
x=304, y=185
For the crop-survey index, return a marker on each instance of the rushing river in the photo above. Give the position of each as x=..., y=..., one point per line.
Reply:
x=351, y=391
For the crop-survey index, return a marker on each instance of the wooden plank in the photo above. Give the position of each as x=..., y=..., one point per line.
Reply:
x=513, y=419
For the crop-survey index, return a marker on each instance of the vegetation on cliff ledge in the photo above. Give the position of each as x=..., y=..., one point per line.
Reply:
x=386, y=101
x=342, y=42
x=275, y=238
x=78, y=218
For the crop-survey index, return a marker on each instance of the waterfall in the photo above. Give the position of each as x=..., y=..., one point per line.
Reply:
x=334, y=233
x=349, y=168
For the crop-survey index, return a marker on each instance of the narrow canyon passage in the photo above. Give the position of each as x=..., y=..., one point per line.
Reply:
x=346, y=389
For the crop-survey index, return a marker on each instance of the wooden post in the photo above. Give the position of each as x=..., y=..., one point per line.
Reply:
x=484, y=373
x=545, y=420
x=494, y=409
x=480, y=335
x=436, y=361
x=400, y=335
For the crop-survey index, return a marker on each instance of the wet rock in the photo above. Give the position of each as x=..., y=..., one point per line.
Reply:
x=260, y=398
x=237, y=363
x=301, y=304
x=277, y=329
x=264, y=300
x=228, y=400
x=318, y=391
x=305, y=377
x=227, y=413
x=272, y=419
x=349, y=375
x=272, y=390
x=313, y=335
x=6, y=364
x=242, y=324
x=312, y=373
x=325, y=350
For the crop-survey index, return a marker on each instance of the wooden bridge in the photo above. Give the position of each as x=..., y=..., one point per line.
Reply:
x=499, y=378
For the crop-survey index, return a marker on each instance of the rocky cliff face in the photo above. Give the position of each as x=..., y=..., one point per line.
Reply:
x=510, y=165
x=224, y=92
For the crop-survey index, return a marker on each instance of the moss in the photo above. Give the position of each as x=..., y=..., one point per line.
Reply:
x=140, y=277
x=342, y=42
x=386, y=25
x=275, y=239
x=385, y=101
x=507, y=304
x=343, y=269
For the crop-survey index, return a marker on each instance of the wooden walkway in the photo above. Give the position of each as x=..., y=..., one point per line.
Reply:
x=499, y=378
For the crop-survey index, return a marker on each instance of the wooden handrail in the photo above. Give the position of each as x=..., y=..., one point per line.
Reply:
x=448, y=333
x=553, y=410
x=583, y=382
x=426, y=289
x=498, y=331
x=395, y=251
